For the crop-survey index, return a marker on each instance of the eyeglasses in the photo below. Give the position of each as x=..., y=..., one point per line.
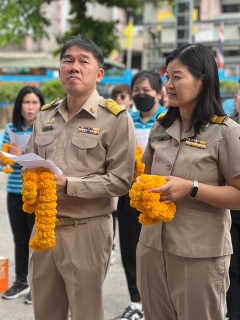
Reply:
x=122, y=96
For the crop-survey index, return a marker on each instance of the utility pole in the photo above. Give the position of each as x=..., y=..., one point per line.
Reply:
x=150, y=9
x=184, y=16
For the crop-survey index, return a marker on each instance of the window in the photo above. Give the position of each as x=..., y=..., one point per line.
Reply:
x=231, y=8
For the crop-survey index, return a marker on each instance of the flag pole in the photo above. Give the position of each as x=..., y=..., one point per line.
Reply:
x=129, y=48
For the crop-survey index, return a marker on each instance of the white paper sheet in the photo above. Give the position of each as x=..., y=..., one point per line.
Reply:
x=20, y=139
x=142, y=137
x=33, y=161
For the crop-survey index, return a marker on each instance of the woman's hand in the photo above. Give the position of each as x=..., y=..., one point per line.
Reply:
x=13, y=149
x=174, y=189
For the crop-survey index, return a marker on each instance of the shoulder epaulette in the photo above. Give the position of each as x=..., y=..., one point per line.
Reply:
x=115, y=108
x=218, y=119
x=160, y=115
x=49, y=105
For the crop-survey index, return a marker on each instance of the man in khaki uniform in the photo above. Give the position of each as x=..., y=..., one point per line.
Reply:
x=92, y=141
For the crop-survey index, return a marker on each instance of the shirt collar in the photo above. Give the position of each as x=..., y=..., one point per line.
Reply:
x=90, y=105
x=138, y=116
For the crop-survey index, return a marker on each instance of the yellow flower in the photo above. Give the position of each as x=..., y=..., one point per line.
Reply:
x=139, y=165
x=8, y=162
x=39, y=195
x=148, y=203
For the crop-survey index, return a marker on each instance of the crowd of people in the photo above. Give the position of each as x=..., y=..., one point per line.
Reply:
x=185, y=269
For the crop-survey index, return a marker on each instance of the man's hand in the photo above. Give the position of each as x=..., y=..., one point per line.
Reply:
x=61, y=182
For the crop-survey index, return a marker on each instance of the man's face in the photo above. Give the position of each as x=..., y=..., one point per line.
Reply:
x=79, y=71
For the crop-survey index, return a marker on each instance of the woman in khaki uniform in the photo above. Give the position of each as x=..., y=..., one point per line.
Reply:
x=183, y=265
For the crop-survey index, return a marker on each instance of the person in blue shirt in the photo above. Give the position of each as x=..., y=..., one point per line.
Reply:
x=146, y=88
x=27, y=105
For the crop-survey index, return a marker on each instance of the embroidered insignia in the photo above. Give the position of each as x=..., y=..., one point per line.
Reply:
x=218, y=119
x=49, y=105
x=50, y=121
x=114, y=107
x=90, y=130
x=196, y=143
x=160, y=116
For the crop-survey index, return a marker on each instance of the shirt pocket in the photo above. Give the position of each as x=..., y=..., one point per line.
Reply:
x=45, y=146
x=82, y=154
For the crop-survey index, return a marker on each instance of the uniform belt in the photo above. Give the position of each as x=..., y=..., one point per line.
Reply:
x=75, y=222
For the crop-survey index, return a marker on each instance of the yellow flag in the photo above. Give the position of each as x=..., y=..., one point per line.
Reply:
x=129, y=33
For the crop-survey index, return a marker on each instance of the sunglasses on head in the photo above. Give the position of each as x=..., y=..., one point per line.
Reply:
x=122, y=96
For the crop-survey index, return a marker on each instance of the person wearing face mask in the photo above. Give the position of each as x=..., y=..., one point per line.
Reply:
x=146, y=88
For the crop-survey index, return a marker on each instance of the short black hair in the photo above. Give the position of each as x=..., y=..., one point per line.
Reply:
x=120, y=88
x=86, y=44
x=201, y=63
x=153, y=77
x=17, y=118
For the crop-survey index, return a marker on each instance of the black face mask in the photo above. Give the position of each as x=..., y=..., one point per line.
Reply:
x=144, y=102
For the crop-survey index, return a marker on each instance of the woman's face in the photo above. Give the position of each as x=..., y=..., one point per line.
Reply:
x=183, y=90
x=237, y=101
x=123, y=99
x=144, y=87
x=30, y=107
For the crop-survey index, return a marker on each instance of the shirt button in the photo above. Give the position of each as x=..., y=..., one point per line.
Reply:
x=169, y=166
x=83, y=146
x=61, y=146
x=176, y=145
x=66, y=128
x=73, y=193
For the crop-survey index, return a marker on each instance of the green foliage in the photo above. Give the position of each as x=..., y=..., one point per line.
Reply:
x=53, y=89
x=20, y=18
x=9, y=91
x=229, y=86
x=101, y=32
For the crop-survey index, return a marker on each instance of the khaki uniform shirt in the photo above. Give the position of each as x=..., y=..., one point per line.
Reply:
x=98, y=167
x=198, y=229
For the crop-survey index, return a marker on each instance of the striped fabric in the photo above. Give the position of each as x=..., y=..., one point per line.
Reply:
x=14, y=181
x=138, y=122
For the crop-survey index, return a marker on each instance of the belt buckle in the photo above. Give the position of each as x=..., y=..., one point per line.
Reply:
x=58, y=222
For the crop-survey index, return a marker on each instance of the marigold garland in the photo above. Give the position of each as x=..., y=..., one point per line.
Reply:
x=7, y=161
x=139, y=165
x=39, y=195
x=152, y=209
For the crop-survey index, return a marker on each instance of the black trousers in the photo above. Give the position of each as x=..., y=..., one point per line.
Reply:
x=21, y=224
x=233, y=294
x=129, y=231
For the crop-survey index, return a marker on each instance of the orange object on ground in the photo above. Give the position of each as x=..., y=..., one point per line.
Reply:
x=4, y=286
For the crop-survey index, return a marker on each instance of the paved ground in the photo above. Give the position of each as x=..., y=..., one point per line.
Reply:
x=116, y=297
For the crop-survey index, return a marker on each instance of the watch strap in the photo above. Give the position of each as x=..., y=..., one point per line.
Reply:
x=194, y=189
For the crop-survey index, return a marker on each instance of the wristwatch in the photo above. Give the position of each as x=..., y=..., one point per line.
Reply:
x=194, y=189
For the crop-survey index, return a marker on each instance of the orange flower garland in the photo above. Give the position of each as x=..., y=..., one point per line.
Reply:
x=39, y=195
x=139, y=165
x=148, y=203
x=7, y=161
